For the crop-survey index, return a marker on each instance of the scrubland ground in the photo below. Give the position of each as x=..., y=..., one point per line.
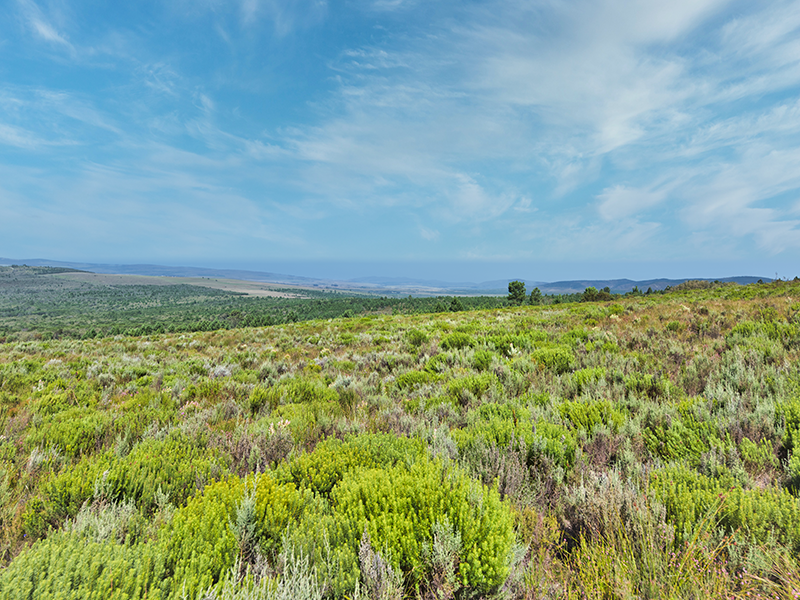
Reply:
x=643, y=448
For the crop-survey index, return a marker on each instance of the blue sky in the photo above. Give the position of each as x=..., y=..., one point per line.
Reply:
x=542, y=139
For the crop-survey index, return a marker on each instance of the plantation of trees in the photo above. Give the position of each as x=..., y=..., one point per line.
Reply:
x=639, y=446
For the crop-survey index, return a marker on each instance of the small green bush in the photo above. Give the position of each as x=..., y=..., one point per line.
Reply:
x=200, y=543
x=558, y=359
x=457, y=340
x=412, y=379
x=482, y=360
x=175, y=465
x=477, y=385
x=588, y=415
x=399, y=509
x=68, y=566
x=584, y=377
x=758, y=515
x=416, y=338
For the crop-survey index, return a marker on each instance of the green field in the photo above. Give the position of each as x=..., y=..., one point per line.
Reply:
x=641, y=447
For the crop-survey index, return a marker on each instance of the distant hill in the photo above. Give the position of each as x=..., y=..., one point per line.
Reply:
x=378, y=284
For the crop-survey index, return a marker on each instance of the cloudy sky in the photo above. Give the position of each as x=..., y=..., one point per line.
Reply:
x=546, y=139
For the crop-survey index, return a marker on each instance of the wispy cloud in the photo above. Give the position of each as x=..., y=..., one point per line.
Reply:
x=590, y=128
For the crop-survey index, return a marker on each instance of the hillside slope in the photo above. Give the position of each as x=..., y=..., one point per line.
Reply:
x=637, y=448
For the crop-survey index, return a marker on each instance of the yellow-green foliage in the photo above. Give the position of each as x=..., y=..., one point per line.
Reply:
x=482, y=359
x=499, y=424
x=558, y=359
x=399, y=506
x=645, y=384
x=301, y=390
x=583, y=377
x=588, y=415
x=76, y=431
x=412, y=379
x=476, y=385
x=332, y=459
x=69, y=566
x=457, y=340
x=758, y=515
x=199, y=544
x=758, y=455
x=686, y=437
x=175, y=465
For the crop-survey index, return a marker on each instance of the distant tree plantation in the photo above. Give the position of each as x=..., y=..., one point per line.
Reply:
x=34, y=305
x=640, y=447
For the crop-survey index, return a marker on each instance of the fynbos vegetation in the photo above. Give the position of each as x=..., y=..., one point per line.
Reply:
x=642, y=447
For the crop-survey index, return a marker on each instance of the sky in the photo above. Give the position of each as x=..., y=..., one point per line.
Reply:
x=469, y=140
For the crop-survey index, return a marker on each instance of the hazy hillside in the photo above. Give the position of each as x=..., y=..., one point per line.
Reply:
x=377, y=284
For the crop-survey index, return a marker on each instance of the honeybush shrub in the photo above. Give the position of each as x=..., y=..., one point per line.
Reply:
x=304, y=417
x=500, y=424
x=645, y=385
x=789, y=412
x=76, y=431
x=558, y=359
x=588, y=415
x=208, y=535
x=301, y=391
x=477, y=385
x=673, y=440
x=70, y=566
x=416, y=338
x=583, y=377
x=457, y=340
x=139, y=411
x=332, y=459
x=760, y=516
x=438, y=363
x=400, y=507
x=758, y=455
x=482, y=359
x=175, y=465
x=508, y=343
x=412, y=379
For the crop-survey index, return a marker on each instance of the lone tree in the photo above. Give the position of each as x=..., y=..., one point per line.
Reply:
x=516, y=293
x=536, y=296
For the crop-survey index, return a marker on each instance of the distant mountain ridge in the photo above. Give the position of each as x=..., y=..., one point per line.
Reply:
x=378, y=283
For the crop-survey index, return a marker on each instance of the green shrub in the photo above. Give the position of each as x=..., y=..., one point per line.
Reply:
x=646, y=385
x=75, y=432
x=758, y=455
x=259, y=398
x=321, y=470
x=416, y=338
x=437, y=363
x=477, y=385
x=175, y=465
x=68, y=566
x=457, y=340
x=399, y=509
x=759, y=515
x=588, y=415
x=200, y=543
x=583, y=377
x=412, y=379
x=558, y=359
x=509, y=343
x=482, y=360
x=499, y=424
x=301, y=391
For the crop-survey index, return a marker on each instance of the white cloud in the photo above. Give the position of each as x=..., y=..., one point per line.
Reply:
x=40, y=24
x=621, y=202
